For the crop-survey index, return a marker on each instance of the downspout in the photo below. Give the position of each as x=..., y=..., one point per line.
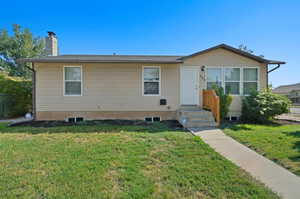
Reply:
x=33, y=90
x=267, y=79
x=278, y=66
x=269, y=71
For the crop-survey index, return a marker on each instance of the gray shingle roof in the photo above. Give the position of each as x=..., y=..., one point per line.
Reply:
x=144, y=58
x=287, y=88
x=108, y=58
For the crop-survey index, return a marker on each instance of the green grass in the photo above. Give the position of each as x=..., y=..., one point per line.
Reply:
x=280, y=143
x=107, y=161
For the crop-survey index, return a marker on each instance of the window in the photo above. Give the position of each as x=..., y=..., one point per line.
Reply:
x=156, y=119
x=79, y=119
x=250, y=83
x=71, y=119
x=232, y=81
x=148, y=119
x=214, y=77
x=72, y=80
x=152, y=119
x=151, y=80
x=75, y=119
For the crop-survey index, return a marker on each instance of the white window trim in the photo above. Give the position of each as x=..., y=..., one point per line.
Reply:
x=64, y=80
x=214, y=67
x=152, y=117
x=224, y=80
x=257, y=81
x=148, y=117
x=156, y=116
x=241, y=77
x=75, y=119
x=159, y=82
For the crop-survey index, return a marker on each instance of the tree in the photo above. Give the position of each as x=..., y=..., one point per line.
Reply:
x=22, y=44
x=246, y=49
x=19, y=91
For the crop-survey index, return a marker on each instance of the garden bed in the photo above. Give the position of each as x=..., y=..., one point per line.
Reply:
x=174, y=124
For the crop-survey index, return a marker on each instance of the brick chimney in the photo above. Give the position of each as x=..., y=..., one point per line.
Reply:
x=51, y=48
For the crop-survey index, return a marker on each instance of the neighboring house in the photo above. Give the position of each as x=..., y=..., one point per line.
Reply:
x=294, y=96
x=141, y=86
x=291, y=91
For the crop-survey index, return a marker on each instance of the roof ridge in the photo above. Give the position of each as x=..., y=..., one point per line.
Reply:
x=153, y=58
x=287, y=85
x=122, y=55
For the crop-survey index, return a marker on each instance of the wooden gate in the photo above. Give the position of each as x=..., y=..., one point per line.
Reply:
x=212, y=102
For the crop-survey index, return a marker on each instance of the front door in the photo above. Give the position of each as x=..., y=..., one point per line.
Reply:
x=189, y=85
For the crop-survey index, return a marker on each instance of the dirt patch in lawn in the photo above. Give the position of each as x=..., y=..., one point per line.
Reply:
x=174, y=124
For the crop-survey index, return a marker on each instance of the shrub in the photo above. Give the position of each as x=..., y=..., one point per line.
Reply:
x=225, y=101
x=19, y=92
x=262, y=107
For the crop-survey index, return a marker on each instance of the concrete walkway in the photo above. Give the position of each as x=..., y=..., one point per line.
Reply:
x=277, y=178
x=15, y=120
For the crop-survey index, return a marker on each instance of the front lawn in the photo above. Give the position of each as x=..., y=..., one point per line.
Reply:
x=280, y=143
x=105, y=161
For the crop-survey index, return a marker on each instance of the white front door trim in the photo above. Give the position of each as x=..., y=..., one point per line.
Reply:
x=193, y=81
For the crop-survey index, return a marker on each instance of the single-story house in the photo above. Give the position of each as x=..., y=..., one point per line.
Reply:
x=294, y=96
x=140, y=86
x=292, y=91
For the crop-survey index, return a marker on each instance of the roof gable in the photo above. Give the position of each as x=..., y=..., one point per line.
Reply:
x=236, y=51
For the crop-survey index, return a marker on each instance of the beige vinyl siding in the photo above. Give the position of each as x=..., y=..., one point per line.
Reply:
x=106, y=87
x=117, y=87
x=100, y=115
x=225, y=58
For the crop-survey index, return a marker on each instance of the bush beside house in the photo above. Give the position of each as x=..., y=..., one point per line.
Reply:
x=19, y=93
x=225, y=101
x=262, y=107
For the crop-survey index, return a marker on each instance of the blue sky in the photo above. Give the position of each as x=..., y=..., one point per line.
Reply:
x=178, y=27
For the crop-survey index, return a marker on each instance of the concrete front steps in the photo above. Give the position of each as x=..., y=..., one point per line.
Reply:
x=194, y=117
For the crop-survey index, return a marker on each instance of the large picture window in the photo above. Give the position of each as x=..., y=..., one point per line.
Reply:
x=72, y=81
x=234, y=80
x=151, y=80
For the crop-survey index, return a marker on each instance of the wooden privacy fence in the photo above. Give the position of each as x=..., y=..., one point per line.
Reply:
x=212, y=102
x=4, y=105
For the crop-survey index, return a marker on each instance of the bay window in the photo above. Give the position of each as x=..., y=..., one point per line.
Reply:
x=234, y=80
x=151, y=80
x=72, y=81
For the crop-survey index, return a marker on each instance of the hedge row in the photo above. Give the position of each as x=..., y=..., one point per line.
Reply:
x=20, y=94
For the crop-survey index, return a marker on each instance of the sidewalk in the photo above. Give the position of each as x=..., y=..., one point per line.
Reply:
x=14, y=120
x=277, y=178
